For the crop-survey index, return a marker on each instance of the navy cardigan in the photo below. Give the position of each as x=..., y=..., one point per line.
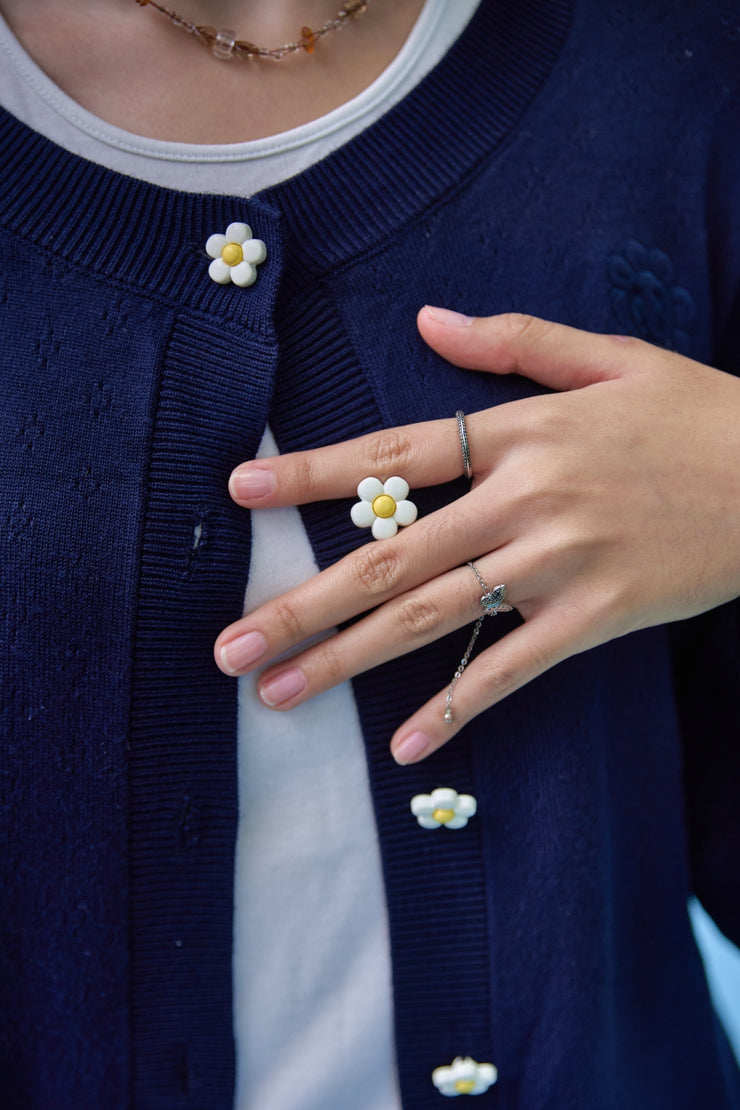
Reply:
x=568, y=158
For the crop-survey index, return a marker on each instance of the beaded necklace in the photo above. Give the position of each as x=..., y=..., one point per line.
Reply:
x=224, y=44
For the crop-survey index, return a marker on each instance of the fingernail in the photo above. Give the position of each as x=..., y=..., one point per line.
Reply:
x=283, y=687
x=245, y=485
x=447, y=316
x=242, y=651
x=411, y=747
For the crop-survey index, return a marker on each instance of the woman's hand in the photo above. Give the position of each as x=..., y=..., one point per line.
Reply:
x=607, y=507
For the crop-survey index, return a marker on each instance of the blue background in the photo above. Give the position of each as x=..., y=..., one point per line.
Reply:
x=722, y=963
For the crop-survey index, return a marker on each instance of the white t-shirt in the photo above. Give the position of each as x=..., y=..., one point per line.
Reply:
x=313, y=1018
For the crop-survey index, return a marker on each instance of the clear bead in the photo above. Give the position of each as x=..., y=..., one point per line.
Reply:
x=223, y=44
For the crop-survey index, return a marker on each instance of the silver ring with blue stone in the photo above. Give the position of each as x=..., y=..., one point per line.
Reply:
x=492, y=602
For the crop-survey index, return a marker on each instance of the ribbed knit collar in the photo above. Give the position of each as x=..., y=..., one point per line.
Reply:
x=341, y=207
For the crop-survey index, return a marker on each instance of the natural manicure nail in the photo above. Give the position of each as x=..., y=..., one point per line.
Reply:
x=245, y=485
x=242, y=652
x=283, y=687
x=447, y=316
x=411, y=747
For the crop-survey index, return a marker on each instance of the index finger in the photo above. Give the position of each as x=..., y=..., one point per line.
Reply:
x=424, y=454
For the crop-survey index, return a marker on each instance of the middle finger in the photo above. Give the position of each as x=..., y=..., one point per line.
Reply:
x=362, y=580
x=402, y=625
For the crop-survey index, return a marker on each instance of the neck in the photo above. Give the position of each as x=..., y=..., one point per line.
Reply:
x=97, y=51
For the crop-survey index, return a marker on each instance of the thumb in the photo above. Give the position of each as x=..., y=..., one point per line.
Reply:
x=552, y=354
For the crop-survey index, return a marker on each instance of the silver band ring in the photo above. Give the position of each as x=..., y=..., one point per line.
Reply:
x=464, y=444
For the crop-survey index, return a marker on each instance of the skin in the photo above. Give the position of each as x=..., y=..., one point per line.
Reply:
x=606, y=507
x=131, y=67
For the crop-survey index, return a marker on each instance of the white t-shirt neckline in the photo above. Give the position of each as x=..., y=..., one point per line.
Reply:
x=355, y=114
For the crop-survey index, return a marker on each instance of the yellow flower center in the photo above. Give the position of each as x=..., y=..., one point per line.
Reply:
x=465, y=1086
x=232, y=254
x=443, y=816
x=384, y=505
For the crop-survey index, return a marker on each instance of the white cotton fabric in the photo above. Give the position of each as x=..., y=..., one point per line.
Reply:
x=313, y=1019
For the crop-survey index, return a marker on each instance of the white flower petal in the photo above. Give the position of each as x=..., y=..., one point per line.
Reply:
x=421, y=804
x=406, y=512
x=384, y=528
x=215, y=244
x=254, y=251
x=219, y=271
x=464, y=1068
x=429, y=823
x=466, y=805
x=369, y=489
x=444, y=797
x=238, y=233
x=441, y=1075
x=486, y=1078
x=397, y=487
x=243, y=274
x=458, y=822
x=444, y=1080
x=362, y=514
x=488, y=1074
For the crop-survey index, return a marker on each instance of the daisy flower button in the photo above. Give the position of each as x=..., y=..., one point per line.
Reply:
x=443, y=806
x=464, y=1077
x=235, y=255
x=383, y=506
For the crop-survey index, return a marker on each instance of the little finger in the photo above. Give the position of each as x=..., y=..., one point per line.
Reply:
x=520, y=656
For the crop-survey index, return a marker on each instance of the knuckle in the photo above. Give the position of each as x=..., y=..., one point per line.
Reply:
x=390, y=451
x=539, y=501
x=304, y=474
x=539, y=660
x=524, y=329
x=288, y=620
x=333, y=663
x=378, y=569
x=416, y=617
x=518, y=324
x=523, y=326
x=499, y=681
x=449, y=531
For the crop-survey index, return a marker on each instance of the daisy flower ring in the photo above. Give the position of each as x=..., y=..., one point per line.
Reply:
x=383, y=506
x=235, y=255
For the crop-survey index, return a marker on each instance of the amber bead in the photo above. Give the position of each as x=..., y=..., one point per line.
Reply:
x=307, y=41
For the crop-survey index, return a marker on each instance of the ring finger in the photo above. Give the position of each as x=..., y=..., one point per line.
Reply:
x=405, y=623
x=368, y=577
